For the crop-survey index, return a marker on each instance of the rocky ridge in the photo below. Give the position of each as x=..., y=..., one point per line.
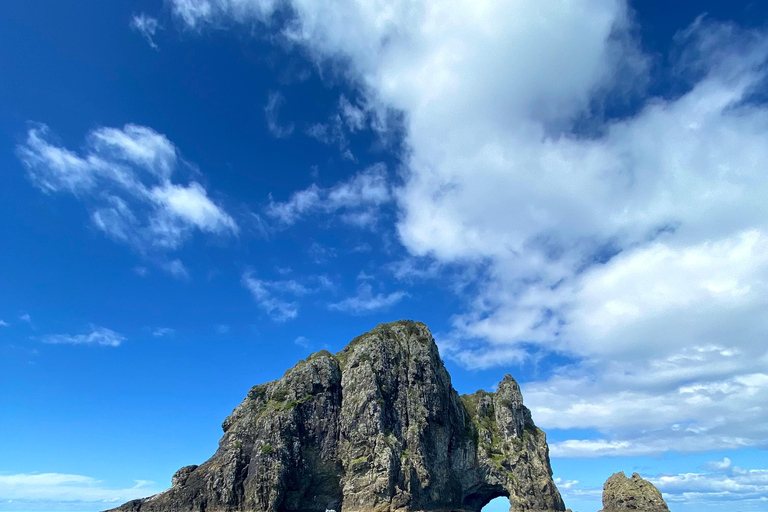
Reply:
x=375, y=427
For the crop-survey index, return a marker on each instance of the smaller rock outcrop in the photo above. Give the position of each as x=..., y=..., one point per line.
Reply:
x=621, y=494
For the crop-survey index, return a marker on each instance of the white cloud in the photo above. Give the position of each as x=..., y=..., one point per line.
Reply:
x=271, y=112
x=290, y=286
x=191, y=11
x=347, y=119
x=300, y=203
x=721, y=483
x=278, y=297
x=146, y=26
x=177, y=269
x=161, y=332
x=357, y=200
x=332, y=132
x=25, y=318
x=651, y=415
x=200, y=12
x=55, y=169
x=566, y=484
x=411, y=269
x=3, y=323
x=302, y=341
x=353, y=115
x=133, y=145
x=277, y=309
x=124, y=177
x=721, y=486
x=98, y=336
x=719, y=465
x=40, y=487
x=366, y=302
x=638, y=249
x=191, y=206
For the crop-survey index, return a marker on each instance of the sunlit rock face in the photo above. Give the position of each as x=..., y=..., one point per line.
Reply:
x=622, y=494
x=375, y=427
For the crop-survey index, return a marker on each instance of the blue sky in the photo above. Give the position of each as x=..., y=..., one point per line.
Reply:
x=198, y=193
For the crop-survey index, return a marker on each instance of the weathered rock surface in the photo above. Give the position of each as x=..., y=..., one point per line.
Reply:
x=621, y=494
x=375, y=427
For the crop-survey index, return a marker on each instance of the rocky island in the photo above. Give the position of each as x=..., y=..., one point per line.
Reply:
x=374, y=427
x=622, y=494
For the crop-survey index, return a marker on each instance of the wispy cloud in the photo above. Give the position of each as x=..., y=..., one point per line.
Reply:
x=161, y=332
x=271, y=111
x=356, y=200
x=98, y=336
x=278, y=297
x=347, y=119
x=147, y=26
x=176, y=268
x=277, y=309
x=125, y=178
x=59, y=487
x=25, y=318
x=365, y=301
x=3, y=323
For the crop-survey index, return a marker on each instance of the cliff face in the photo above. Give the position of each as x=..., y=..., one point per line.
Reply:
x=375, y=427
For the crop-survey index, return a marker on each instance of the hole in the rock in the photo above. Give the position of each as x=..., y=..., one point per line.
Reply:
x=500, y=504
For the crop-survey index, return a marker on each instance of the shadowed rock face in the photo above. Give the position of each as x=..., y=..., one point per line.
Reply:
x=375, y=427
x=622, y=494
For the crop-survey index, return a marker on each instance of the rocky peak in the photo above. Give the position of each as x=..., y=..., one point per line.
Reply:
x=621, y=494
x=375, y=427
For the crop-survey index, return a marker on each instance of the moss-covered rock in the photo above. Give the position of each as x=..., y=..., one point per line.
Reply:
x=622, y=494
x=375, y=427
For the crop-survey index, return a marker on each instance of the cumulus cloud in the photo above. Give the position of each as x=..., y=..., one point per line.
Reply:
x=124, y=176
x=637, y=249
x=641, y=416
x=146, y=26
x=719, y=483
x=357, y=201
x=722, y=482
x=58, y=487
x=98, y=336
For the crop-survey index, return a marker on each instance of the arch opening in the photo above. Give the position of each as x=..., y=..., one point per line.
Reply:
x=497, y=504
x=487, y=499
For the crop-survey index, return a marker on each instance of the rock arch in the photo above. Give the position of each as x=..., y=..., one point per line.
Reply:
x=378, y=427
